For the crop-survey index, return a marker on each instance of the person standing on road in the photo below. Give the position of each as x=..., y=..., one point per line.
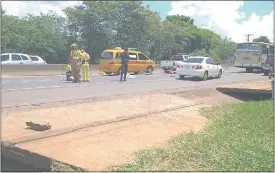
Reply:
x=124, y=64
x=75, y=59
x=85, y=65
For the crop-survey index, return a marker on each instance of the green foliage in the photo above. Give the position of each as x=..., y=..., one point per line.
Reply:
x=99, y=25
x=240, y=138
x=262, y=39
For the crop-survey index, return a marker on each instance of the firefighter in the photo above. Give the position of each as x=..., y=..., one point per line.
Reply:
x=124, y=64
x=85, y=65
x=69, y=73
x=75, y=59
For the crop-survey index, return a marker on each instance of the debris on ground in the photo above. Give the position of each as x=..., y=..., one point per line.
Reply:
x=38, y=126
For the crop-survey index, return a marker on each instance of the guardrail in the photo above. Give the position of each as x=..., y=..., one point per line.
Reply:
x=41, y=70
x=38, y=69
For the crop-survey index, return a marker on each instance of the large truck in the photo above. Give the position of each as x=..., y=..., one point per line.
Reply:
x=252, y=55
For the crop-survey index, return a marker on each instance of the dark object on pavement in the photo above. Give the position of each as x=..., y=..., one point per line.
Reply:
x=38, y=126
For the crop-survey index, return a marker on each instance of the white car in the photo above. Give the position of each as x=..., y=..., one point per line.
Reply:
x=199, y=66
x=15, y=58
x=37, y=59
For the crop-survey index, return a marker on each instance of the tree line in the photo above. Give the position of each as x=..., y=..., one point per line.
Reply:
x=100, y=25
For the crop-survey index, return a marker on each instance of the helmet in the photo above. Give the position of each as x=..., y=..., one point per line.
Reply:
x=74, y=45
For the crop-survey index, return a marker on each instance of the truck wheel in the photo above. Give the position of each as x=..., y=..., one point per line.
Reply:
x=249, y=69
x=266, y=72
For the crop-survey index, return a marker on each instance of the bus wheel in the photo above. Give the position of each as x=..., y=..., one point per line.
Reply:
x=249, y=69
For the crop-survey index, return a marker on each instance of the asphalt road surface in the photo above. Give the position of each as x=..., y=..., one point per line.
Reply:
x=37, y=90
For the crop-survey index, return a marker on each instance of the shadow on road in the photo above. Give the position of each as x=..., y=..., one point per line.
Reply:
x=248, y=96
x=255, y=72
x=195, y=79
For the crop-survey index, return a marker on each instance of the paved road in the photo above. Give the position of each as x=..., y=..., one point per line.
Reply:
x=37, y=90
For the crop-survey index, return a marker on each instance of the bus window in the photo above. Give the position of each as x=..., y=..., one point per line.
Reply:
x=249, y=47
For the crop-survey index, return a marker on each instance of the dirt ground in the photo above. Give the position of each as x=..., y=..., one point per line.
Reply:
x=98, y=147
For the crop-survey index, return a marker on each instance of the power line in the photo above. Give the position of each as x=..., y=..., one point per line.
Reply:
x=248, y=35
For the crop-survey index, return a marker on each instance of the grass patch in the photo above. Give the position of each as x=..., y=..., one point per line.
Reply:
x=58, y=166
x=240, y=138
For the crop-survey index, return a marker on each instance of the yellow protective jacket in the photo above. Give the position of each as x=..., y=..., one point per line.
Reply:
x=68, y=68
x=76, y=54
x=85, y=57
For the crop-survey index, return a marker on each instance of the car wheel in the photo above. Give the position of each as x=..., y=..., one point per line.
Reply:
x=149, y=70
x=220, y=74
x=108, y=73
x=205, y=76
x=119, y=71
x=182, y=77
x=266, y=72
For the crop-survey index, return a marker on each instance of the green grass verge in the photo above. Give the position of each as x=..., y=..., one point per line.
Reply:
x=240, y=138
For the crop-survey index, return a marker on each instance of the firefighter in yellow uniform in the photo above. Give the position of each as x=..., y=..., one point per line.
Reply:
x=85, y=65
x=75, y=59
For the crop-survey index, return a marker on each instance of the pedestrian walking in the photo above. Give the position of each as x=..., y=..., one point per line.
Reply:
x=85, y=65
x=75, y=59
x=124, y=64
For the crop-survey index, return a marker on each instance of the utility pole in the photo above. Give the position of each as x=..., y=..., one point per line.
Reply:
x=248, y=35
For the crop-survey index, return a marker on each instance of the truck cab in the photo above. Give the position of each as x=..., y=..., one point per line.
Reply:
x=170, y=64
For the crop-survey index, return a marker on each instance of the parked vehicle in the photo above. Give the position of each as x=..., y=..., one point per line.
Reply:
x=202, y=67
x=110, y=61
x=15, y=58
x=37, y=59
x=170, y=64
x=252, y=55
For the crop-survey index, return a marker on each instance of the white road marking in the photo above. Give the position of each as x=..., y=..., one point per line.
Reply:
x=80, y=85
x=23, y=81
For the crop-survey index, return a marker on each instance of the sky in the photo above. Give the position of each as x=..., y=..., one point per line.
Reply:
x=231, y=19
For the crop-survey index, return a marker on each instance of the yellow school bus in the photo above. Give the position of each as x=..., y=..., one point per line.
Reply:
x=110, y=61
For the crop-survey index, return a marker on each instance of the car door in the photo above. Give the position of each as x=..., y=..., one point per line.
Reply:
x=133, y=62
x=16, y=59
x=5, y=59
x=142, y=66
x=215, y=67
x=26, y=60
x=210, y=67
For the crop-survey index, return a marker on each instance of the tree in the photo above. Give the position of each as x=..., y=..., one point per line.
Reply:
x=262, y=39
x=100, y=25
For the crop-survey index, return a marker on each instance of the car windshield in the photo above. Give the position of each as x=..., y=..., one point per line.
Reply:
x=249, y=47
x=106, y=55
x=177, y=58
x=4, y=57
x=194, y=60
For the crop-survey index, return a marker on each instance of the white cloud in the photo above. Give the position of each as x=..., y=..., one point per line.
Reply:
x=222, y=17
x=219, y=16
x=22, y=8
